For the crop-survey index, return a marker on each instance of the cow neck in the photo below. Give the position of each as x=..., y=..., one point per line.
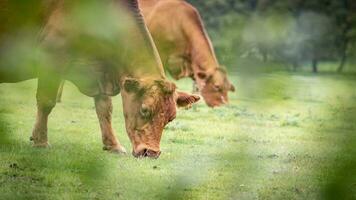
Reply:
x=143, y=73
x=147, y=6
x=147, y=62
x=202, y=52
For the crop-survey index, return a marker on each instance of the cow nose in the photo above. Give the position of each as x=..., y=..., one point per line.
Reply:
x=147, y=153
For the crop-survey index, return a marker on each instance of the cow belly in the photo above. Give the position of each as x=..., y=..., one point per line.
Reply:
x=93, y=79
x=18, y=60
x=16, y=74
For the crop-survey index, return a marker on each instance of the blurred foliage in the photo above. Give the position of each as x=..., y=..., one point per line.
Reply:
x=294, y=32
x=227, y=151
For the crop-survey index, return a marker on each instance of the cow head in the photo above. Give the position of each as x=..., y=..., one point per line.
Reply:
x=214, y=87
x=149, y=105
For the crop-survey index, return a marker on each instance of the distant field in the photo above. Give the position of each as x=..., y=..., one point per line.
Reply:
x=284, y=136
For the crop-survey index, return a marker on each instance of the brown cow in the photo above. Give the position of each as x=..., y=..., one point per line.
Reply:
x=185, y=48
x=81, y=53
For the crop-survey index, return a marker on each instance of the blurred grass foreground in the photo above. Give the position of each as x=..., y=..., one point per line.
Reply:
x=285, y=135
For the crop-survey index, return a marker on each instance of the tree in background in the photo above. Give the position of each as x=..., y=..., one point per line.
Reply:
x=346, y=19
x=292, y=31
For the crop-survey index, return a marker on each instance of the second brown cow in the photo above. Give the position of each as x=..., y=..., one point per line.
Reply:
x=185, y=48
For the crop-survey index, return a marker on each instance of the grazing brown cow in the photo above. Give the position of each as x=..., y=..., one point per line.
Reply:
x=185, y=48
x=81, y=53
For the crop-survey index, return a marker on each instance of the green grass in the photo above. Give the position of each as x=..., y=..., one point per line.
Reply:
x=284, y=136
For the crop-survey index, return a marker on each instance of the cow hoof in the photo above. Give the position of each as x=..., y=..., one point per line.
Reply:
x=41, y=145
x=116, y=150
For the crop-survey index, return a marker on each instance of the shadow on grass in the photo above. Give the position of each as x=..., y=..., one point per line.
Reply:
x=342, y=183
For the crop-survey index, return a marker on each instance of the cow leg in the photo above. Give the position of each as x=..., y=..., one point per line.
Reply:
x=46, y=100
x=103, y=107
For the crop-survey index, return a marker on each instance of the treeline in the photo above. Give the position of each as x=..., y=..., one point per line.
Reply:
x=297, y=32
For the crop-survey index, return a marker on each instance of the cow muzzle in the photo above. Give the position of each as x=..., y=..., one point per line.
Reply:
x=149, y=153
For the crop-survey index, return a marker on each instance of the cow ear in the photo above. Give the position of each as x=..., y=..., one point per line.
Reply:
x=132, y=85
x=166, y=86
x=186, y=100
x=232, y=88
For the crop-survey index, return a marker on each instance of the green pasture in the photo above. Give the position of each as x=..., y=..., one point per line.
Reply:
x=283, y=136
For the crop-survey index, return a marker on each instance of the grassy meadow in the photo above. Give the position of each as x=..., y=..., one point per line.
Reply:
x=283, y=136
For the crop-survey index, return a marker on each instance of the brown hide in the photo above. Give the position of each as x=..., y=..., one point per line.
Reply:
x=185, y=47
x=102, y=51
x=41, y=22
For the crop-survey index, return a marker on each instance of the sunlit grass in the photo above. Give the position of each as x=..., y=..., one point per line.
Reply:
x=281, y=143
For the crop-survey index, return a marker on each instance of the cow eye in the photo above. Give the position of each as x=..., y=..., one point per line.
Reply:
x=217, y=88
